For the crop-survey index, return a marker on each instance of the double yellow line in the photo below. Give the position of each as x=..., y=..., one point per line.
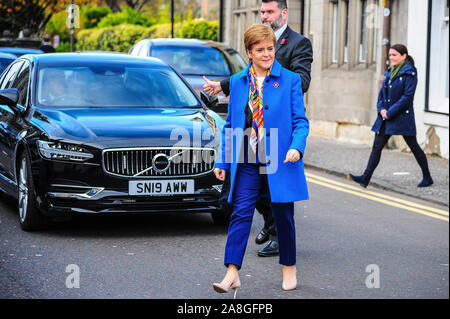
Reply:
x=378, y=197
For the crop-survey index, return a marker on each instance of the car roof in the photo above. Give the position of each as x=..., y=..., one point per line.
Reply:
x=15, y=51
x=186, y=42
x=90, y=57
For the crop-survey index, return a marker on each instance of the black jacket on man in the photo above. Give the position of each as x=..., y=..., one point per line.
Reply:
x=294, y=52
x=47, y=48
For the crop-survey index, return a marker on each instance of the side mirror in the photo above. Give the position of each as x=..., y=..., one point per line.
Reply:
x=10, y=97
x=210, y=101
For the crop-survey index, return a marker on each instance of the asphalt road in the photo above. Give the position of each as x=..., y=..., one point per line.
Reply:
x=340, y=233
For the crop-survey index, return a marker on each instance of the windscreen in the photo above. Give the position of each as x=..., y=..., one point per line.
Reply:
x=193, y=60
x=112, y=85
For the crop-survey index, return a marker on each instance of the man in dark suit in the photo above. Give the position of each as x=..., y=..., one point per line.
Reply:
x=294, y=52
x=46, y=46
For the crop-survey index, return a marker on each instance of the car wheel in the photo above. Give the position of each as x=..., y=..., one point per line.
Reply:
x=30, y=218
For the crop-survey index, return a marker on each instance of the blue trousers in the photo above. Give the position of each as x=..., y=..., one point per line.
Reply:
x=248, y=186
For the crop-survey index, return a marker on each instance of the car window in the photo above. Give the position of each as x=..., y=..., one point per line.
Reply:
x=193, y=60
x=236, y=59
x=135, y=49
x=10, y=75
x=112, y=85
x=21, y=83
x=143, y=50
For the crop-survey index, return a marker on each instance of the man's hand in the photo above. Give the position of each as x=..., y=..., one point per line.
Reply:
x=211, y=87
x=220, y=174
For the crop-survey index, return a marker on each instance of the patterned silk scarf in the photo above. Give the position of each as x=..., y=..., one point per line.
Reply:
x=256, y=101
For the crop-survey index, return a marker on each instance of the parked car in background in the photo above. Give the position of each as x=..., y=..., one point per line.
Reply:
x=20, y=51
x=5, y=60
x=100, y=134
x=194, y=59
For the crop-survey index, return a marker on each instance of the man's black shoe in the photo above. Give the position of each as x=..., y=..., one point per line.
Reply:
x=271, y=249
x=262, y=237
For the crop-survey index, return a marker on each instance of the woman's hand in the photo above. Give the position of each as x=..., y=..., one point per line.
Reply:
x=220, y=174
x=211, y=87
x=383, y=114
x=292, y=155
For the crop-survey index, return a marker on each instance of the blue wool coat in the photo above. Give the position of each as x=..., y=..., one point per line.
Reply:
x=397, y=96
x=284, y=120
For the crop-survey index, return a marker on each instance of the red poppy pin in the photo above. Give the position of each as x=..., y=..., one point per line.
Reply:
x=276, y=85
x=283, y=41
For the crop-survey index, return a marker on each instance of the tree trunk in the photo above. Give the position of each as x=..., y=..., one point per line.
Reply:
x=113, y=5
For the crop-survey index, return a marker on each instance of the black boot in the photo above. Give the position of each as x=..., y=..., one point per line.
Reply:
x=363, y=179
x=426, y=181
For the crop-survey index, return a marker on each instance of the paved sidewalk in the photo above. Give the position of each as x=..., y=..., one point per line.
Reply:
x=398, y=171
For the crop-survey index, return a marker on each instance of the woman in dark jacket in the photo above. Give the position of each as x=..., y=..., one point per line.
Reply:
x=396, y=114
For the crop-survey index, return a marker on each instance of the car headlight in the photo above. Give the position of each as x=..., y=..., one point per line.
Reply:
x=63, y=151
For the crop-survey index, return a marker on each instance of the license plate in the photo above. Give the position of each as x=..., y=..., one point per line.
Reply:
x=161, y=187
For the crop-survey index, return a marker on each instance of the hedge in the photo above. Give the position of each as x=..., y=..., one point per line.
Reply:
x=200, y=29
x=122, y=37
x=127, y=16
x=119, y=38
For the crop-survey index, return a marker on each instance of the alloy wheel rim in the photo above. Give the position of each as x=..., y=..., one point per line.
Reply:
x=23, y=191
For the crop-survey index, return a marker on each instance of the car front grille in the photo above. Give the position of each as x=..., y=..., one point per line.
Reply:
x=158, y=162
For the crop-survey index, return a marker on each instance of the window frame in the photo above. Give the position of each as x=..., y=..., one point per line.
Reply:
x=435, y=99
x=25, y=65
x=352, y=31
x=14, y=75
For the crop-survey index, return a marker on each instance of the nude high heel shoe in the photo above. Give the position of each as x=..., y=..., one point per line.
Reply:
x=292, y=285
x=223, y=288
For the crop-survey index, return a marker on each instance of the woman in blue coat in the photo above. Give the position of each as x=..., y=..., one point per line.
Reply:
x=263, y=142
x=396, y=114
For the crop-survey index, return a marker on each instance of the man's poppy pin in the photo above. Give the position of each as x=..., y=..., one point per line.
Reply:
x=283, y=41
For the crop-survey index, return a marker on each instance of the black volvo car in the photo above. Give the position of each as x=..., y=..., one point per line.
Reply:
x=84, y=133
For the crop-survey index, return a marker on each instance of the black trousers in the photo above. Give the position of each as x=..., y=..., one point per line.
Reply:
x=380, y=141
x=262, y=206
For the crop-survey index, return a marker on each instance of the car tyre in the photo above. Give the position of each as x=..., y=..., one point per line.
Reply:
x=30, y=218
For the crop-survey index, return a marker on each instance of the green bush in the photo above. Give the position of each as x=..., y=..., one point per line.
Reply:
x=119, y=38
x=63, y=46
x=122, y=37
x=164, y=30
x=93, y=15
x=202, y=30
x=127, y=16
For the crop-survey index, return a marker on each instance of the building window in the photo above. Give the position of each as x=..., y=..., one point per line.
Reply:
x=353, y=32
x=335, y=32
x=371, y=24
x=346, y=39
x=439, y=55
x=446, y=46
x=244, y=13
x=340, y=31
x=363, y=40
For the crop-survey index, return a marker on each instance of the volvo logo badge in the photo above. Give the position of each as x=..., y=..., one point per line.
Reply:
x=161, y=163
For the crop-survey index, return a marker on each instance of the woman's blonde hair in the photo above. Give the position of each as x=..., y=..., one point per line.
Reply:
x=258, y=33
